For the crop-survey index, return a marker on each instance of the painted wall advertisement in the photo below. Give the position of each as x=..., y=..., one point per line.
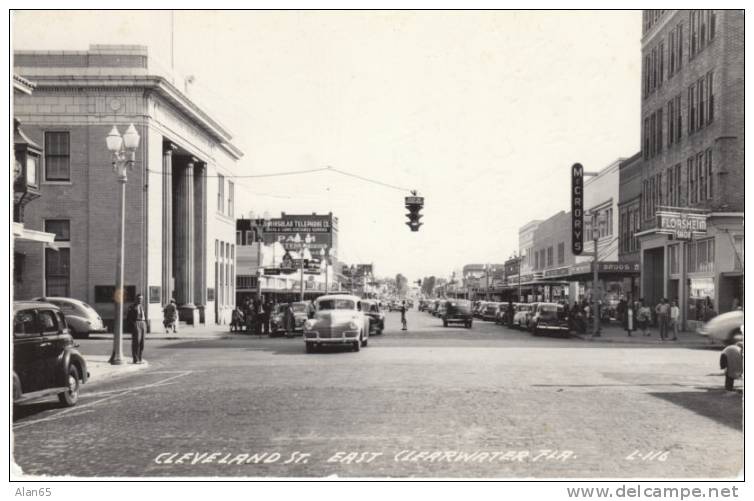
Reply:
x=314, y=231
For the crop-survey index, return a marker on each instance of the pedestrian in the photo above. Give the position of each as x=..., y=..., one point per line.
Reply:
x=137, y=323
x=731, y=360
x=644, y=317
x=269, y=307
x=403, y=316
x=249, y=315
x=662, y=310
x=675, y=318
x=736, y=304
x=170, y=317
x=310, y=309
x=236, y=319
x=621, y=310
x=289, y=320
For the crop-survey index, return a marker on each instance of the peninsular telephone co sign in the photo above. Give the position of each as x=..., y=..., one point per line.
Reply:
x=577, y=208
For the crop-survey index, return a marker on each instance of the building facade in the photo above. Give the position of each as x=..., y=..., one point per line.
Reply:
x=629, y=214
x=692, y=124
x=180, y=223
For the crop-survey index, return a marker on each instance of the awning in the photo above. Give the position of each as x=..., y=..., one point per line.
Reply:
x=22, y=234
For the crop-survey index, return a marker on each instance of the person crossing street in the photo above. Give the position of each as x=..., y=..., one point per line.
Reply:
x=403, y=316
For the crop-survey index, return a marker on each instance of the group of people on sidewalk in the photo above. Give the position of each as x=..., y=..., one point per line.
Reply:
x=255, y=316
x=639, y=317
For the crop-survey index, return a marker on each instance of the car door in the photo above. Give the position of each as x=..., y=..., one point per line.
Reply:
x=27, y=362
x=49, y=347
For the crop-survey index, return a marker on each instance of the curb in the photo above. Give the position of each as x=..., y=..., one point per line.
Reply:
x=648, y=342
x=100, y=369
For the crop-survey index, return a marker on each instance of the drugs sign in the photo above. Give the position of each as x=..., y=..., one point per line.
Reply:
x=681, y=225
x=577, y=209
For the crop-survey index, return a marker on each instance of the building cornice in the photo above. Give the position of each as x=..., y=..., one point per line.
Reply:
x=157, y=84
x=22, y=85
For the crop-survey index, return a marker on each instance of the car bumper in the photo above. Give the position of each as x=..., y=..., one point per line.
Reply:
x=457, y=319
x=562, y=328
x=347, y=337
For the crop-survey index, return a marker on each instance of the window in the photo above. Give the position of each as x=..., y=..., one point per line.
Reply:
x=701, y=256
x=679, y=46
x=702, y=26
x=549, y=256
x=25, y=324
x=677, y=109
x=249, y=237
x=48, y=322
x=710, y=98
x=652, y=134
x=671, y=122
x=692, y=108
x=708, y=170
x=669, y=187
x=57, y=272
x=646, y=75
x=561, y=253
x=220, y=193
x=646, y=138
x=677, y=197
x=231, y=200
x=673, y=259
x=659, y=130
x=239, y=238
x=536, y=260
x=57, y=156
x=661, y=69
x=700, y=99
x=672, y=52
x=738, y=254
x=658, y=193
x=653, y=82
x=702, y=176
x=60, y=227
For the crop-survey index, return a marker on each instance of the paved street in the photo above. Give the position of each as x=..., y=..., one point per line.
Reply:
x=430, y=402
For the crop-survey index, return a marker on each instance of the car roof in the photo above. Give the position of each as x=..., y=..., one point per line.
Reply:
x=339, y=296
x=29, y=304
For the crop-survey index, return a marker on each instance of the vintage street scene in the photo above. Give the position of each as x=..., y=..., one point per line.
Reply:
x=378, y=245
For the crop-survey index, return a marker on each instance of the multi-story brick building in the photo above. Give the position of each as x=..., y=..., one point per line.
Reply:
x=180, y=225
x=692, y=120
x=629, y=214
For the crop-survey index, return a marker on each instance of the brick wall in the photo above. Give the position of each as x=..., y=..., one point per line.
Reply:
x=724, y=56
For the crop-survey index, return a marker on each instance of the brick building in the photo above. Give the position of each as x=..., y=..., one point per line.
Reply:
x=629, y=213
x=180, y=225
x=692, y=120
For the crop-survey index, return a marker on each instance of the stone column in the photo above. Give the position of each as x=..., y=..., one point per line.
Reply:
x=184, y=228
x=167, y=222
x=200, y=239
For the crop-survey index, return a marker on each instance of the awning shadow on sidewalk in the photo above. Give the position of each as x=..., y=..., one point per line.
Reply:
x=712, y=403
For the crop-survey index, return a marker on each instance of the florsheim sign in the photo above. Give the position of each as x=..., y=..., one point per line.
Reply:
x=577, y=209
x=681, y=225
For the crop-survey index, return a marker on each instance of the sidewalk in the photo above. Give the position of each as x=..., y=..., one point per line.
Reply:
x=100, y=369
x=616, y=334
x=186, y=332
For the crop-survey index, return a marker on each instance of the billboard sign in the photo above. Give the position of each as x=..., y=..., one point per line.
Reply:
x=681, y=225
x=577, y=209
x=313, y=230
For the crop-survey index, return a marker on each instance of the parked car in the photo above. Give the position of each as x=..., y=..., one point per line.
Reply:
x=503, y=313
x=724, y=327
x=371, y=308
x=435, y=307
x=441, y=305
x=479, y=309
x=45, y=361
x=81, y=318
x=551, y=318
x=489, y=311
x=277, y=320
x=338, y=320
x=457, y=311
x=519, y=317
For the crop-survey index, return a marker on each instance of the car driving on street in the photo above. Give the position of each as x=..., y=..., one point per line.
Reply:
x=457, y=311
x=338, y=320
x=371, y=308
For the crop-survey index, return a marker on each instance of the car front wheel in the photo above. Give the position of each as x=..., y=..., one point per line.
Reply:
x=69, y=397
x=357, y=346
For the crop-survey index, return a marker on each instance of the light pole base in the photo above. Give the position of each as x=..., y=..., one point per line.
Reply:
x=115, y=360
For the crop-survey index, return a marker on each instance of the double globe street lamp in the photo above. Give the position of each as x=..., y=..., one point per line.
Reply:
x=123, y=150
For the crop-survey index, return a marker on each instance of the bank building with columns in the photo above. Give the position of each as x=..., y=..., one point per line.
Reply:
x=180, y=194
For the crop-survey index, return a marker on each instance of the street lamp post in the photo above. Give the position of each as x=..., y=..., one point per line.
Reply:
x=123, y=149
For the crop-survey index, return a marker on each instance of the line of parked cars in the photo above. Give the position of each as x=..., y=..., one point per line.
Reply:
x=537, y=318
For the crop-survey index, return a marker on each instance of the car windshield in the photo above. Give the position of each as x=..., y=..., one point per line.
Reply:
x=335, y=304
x=299, y=308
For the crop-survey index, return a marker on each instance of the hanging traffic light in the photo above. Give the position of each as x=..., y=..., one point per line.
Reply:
x=414, y=204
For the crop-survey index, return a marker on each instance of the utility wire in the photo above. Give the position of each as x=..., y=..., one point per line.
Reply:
x=296, y=173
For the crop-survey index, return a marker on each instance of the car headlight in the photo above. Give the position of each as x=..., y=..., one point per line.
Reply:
x=309, y=324
x=353, y=325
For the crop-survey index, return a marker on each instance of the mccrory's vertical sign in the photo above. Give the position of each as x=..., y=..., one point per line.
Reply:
x=577, y=209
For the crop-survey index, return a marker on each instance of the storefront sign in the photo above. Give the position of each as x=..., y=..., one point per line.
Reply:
x=580, y=269
x=681, y=225
x=577, y=209
x=618, y=267
x=557, y=272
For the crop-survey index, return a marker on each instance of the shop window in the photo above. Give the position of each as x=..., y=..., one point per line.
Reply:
x=673, y=259
x=701, y=256
x=701, y=305
x=738, y=257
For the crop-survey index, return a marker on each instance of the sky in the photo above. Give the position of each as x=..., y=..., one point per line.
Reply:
x=481, y=112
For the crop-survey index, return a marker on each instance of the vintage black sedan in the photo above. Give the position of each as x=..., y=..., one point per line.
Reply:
x=277, y=321
x=338, y=320
x=457, y=311
x=371, y=308
x=549, y=318
x=45, y=361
